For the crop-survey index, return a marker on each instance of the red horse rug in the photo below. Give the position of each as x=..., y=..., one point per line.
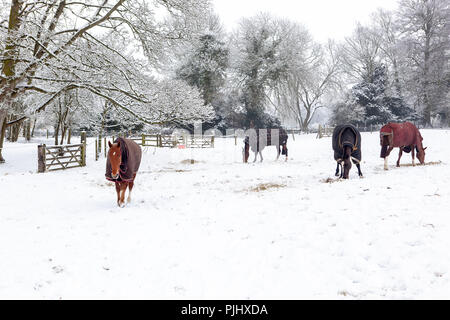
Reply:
x=405, y=136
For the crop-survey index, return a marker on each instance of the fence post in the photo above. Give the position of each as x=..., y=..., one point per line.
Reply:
x=104, y=145
x=159, y=139
x=235, y=139
x=143, y=140
x=212, y=142
x=83, y=148
x=41, y=158
x=47, y=133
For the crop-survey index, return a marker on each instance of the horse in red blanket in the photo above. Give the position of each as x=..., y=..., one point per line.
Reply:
x=124, y=158
x=405, y=136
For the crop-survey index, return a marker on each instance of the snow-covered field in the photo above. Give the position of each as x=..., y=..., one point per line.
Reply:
x=221, y=229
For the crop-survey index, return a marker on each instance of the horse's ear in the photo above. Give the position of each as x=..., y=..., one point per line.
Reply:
x=110, y=144
x=118, y=144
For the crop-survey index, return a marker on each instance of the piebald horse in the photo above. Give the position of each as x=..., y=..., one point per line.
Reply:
x=122, y=165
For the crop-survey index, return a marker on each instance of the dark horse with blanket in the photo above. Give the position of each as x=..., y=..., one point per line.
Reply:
x=405, y=136
x=347, y=148
x=258, y=139
x=124, y=158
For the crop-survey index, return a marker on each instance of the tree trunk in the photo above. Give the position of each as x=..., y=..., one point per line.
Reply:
x=63, y=133
x=426, y=82
x=34, y=127
x=2, y=132
x=28, y=130
x=15, y=132
x=56, y=133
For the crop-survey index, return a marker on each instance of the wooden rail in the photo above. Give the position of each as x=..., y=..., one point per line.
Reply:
x=200, y=142
x=172, y=141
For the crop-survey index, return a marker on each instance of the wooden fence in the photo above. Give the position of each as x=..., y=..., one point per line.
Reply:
x=172, y=141
x=199, y=142
x=324, y=131
x=52, y=158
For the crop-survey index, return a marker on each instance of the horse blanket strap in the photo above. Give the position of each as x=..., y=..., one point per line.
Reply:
x=131, y=159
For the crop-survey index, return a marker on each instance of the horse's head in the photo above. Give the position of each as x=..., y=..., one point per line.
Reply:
x=421, y=155
x=115, y=158
x=245, y=152
x=385, y=141
x=347, y=162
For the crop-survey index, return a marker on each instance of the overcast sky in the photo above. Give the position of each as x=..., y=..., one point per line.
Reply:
x=324, y=18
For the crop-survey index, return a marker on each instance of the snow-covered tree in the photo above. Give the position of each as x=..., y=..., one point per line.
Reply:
x=425, y=29
x=51, y=47
x=369, y=102
x=312, y=73
x=258, y=61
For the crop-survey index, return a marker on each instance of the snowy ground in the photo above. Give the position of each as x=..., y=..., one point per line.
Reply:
x=221, y=229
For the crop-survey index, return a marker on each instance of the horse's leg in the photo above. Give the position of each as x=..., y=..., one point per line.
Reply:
x=130, y=187
x=413, y=153
x=388, y=152
x=118, y=193
x=123, y=189
x=337, y=169
x=260, y=154
x=399, y=156
x=358, y=165
x=256, y=155
x=278, y=151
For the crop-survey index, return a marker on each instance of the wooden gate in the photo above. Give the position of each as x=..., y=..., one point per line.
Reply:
x=324, y=132
x=62, y=157
x=200, y=142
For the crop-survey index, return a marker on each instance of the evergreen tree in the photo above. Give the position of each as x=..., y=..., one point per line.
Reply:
x=369, y=102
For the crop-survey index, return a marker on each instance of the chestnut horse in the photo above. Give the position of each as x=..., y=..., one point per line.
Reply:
x=122, y=164
x=260, y=138
x=404, y=136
